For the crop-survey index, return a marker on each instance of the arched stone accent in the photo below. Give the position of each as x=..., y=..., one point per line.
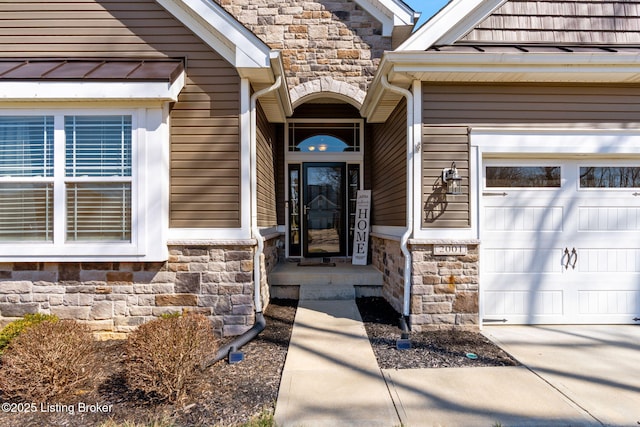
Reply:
x=327, y=87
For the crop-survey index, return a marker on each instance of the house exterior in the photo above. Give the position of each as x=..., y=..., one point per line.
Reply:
x=165, y=155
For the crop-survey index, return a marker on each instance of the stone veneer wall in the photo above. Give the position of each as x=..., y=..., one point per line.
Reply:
x=387, y=257
x=321, y=38
x=119, y=296
x=444, y=289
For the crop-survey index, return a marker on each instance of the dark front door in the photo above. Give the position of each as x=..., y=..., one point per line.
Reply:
x=323, y=209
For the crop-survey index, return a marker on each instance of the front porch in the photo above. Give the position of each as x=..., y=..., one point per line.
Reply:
x=331, y=280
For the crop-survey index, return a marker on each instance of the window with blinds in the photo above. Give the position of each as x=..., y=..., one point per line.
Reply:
x=85, y=186
x=98, y=149
x=26, y=155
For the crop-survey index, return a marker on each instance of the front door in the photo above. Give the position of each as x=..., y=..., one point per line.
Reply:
x=323, y=209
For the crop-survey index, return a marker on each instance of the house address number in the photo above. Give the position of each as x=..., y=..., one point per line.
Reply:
x=450, y=249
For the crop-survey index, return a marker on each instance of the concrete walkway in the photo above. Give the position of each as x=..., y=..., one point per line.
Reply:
x=574, y=376
x=331, y=376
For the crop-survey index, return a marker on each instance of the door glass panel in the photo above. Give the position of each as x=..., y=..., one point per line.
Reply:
x=523, y=176
x=609, y=177
x=294, y=210
x=324, y=209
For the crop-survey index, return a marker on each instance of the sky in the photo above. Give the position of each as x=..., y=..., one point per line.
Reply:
x=427, y=7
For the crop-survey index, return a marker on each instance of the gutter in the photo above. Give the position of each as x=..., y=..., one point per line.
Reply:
x=260, y=323
x=404, y=320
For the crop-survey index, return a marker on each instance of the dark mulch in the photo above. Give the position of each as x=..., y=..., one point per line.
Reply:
x=446, y=348
x=233, y=394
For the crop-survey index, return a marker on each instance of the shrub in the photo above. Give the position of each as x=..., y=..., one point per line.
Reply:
x=50, y=359
x=13, y=329
x=165, y=357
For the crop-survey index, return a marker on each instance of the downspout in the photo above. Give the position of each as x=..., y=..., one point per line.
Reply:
x=260, y=322
x=406, y=306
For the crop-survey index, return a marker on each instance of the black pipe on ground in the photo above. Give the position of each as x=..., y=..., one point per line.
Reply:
x=259, y=326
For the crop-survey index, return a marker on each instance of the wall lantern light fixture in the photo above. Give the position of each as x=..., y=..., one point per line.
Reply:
x=451, y=180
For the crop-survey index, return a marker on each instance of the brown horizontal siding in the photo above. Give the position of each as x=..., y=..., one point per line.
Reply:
x=205, y=186
x=266, y=167
x=440, y=147
x=522, y=104
x=389, y=169
x=449, y=110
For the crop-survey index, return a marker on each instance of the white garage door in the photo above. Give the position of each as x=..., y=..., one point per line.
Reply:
x=561, y=241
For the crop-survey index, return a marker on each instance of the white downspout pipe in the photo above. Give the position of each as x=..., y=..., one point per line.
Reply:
x=260, y=322
x=406, y=306
x=253, y=161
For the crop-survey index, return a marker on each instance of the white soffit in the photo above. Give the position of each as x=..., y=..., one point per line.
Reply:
x=239, y=46
x=455, y=20
x=390, y=13
x=522, y=67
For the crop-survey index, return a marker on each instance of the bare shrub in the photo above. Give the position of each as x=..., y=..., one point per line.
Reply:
x=15, y=328
x=50, y=359
x=165, y=357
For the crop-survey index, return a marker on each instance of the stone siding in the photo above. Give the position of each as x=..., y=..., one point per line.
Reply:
x=387, y=257
x=323, y=38
x=444, y=290
x=117, y=296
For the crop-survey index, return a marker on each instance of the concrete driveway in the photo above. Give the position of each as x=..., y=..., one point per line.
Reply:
x=586, y=376
x=596, y=367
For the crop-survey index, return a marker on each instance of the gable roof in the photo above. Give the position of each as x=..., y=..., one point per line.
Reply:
x=457, y=18
x=391, y=13
x=560, y=21
x=251, y=57
x=559, y=41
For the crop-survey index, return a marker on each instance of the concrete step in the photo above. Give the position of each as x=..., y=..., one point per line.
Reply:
x=327, y=292
x=290, y=274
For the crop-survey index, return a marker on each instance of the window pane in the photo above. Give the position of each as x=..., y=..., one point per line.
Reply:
x=26, y=212
x=523, y=176
x=26, y=146
x=324, y=137
x=98, y=145
x=99, y=211
x=609, y=177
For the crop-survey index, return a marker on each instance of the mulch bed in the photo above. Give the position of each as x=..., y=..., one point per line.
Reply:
x=235, y=393
x=232, y=394
x=447, y=348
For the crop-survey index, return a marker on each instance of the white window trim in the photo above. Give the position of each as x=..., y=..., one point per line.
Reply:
x=150, y=177
x=295, y=157
x=87, y=91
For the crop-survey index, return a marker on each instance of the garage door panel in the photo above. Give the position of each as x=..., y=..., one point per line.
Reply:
x=530, y=218
x=523, y=260
x=570, y=254
x=608, y=260
x=524, y=303
x=612, y=218
x=608, y=302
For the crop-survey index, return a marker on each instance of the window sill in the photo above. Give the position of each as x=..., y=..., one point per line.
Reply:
x=86, y=252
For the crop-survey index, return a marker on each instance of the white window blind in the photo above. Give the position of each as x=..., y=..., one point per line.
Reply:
x=98, y=149
x=26, y=212
x=98, y=145
x=89, y=189
x=98, y=211
x=26, y=146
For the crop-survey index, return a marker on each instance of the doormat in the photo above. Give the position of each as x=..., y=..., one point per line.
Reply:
x=315, y=263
